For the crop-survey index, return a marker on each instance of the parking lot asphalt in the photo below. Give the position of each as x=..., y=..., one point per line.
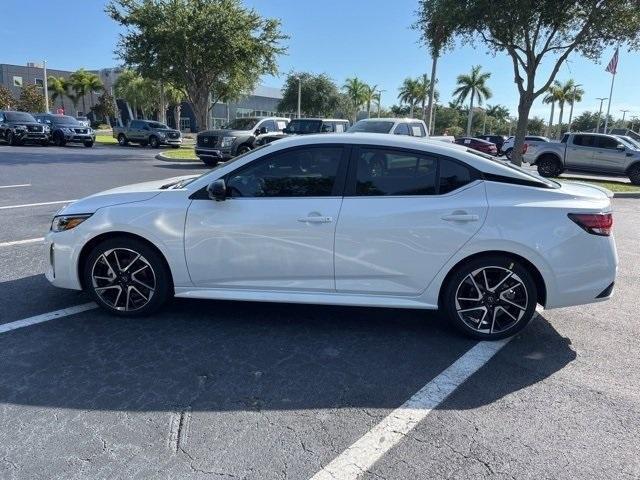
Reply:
x=212, y=389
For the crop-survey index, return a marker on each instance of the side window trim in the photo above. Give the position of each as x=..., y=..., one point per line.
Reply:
x=352, y=174
x=338, y=185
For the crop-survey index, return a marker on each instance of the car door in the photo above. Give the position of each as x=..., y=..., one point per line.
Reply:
x=607, y=156
x=276, y=229
x=404, y=215
x=579, y=153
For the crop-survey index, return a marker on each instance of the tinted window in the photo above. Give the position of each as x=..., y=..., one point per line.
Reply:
x=402, y=129
x=135, y=124
x=565, y=138
x=372, y=126
x=607, y=142
x=157, y=125
x=19, y=117
x=305, y=126
x=309, y=172
x=417, y=130
x=453, y=175
x=584, y=140
x=391, y=172
x=270, y=125
x=243, y=124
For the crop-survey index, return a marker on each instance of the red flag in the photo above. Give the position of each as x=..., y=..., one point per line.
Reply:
x=613, y=64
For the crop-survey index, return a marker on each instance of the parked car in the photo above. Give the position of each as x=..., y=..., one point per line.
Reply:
x=66, y=129
x=289, y=222
x=497, y=140
x=590, y=152
x=306, y=126
x=530, y=140
x=17, y=128
x=478, y=144
x=237, y=138
x=84, y=121
x=396, y=126
x=629, y=140
x=148, y=132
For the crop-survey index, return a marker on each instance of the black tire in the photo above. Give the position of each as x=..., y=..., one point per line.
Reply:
x=44, y=143
x=154, y=142
x=156, y=271
x=11, y=139
x=122, y=140
x=242, y=149
x=144, y=143
x=88, y=144
x=502, y=317
x=209, y=161
x=634, y=174
x=549, y=166
x=508, y=152
x=58, y=140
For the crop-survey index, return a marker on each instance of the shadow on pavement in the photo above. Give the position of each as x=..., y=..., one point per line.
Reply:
x=226, y=356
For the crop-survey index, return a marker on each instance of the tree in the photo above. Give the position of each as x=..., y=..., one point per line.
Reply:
x=370, y=95
x=59, y=88
x=534, y=33
x=128, y=87
x=412, y=91
x=79, y=83
x=536, y=126
x=174, y=97
x=318, y=94
x=210, y=49
x=6, y=99
x=570, y=94
x=552, y=96
x=31, y=100
x=106, y=107
x=94, y=84
x=356, y=91
x=585, y=122
x=473, y=85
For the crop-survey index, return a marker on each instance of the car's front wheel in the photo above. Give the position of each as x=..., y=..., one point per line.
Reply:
x=490, y=298
x=88, y=144
x=127, y=277
x=122, y=140
x=154, y=142
x=210, y=161
x=549, y=166
x=634, y=174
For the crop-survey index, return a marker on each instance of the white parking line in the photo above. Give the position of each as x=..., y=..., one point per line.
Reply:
x=6, y=207
x=21, y=242
x=45, y=317
x=366, y=451
x=16, y=186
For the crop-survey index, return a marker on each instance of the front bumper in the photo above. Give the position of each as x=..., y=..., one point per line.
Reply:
x=219, y=153
x=61, y=259
x=79, y=137
x=25, y=136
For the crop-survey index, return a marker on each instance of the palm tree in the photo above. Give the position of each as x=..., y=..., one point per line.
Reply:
x=412, y=91
x=552, y=96
x=472, y=85
x=94, y=84
x=370, y=96
x=567, y=93
x=129, y=87
x=59, y=87
x=356, y=91
x=174, y=97
x=79, y=81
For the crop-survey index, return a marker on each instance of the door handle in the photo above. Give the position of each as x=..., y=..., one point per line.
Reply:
x=460, y=217
x=316, y=219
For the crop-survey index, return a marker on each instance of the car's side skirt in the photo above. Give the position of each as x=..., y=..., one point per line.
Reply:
x=303, y=297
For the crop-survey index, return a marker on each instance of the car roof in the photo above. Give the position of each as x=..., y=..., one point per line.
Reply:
x=390, y=119
x=322, y=119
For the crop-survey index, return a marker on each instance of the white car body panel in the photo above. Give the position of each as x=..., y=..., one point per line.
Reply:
x=389, y=251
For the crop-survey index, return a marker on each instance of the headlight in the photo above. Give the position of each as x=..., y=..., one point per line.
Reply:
x=161, y=134
x=46, y=128
x=20, y=127
x=227, y=141
x=67, y=222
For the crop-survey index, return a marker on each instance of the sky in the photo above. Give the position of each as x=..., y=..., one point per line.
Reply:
x=371, y=39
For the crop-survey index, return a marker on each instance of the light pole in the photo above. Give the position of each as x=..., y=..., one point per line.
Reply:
x=299, y=94
x=624, y=114
x=573, y=100
x=379, y=100
x=602, y=99
x=45, y=86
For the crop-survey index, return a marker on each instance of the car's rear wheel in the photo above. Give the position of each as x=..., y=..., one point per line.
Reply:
x=122, y=140
x=508, y=152
x=490, y=298
x=634, y=174
x=127, y=277
x=549, y=166
x=242, y=149
x=154, y=142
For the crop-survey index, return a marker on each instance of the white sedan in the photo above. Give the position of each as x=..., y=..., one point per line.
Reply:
x=351, y=219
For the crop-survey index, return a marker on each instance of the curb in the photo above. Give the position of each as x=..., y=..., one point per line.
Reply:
x=626, y=194
x=164, y=158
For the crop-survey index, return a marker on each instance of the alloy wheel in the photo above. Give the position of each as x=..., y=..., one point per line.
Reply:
x=491, y=299
x=123, y=279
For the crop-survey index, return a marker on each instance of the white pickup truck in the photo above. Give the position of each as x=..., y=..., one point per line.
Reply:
x=588, y=152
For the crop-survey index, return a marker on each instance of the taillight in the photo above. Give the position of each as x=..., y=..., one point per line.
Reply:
x=594, y=223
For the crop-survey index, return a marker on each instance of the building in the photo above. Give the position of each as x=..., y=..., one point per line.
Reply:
x=263, y=101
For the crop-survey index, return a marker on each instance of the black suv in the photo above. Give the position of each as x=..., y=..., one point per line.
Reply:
x=19, y=127
x=307, y=126
x=66, y=129
x=497, y=139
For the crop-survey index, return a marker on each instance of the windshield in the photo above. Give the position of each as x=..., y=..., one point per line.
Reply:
x=372, y=126
x=19, y=117
x=304, y=126
x=242, y=124
x=533, y=176
x=65, y=120
x=158, y=126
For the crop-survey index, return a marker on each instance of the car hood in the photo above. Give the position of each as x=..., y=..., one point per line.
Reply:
x=138, y=192
x=228, y=133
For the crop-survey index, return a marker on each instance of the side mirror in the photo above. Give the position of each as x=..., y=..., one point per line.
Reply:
x=217, y=190
x=286, y=130
x=621, y=147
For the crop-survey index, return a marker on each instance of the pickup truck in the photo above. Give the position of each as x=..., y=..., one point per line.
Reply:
x=588, y=152
x=147, y=132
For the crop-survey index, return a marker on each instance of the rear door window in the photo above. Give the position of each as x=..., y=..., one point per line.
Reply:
x=402, y=129
x=607, y=142
x=584, y=140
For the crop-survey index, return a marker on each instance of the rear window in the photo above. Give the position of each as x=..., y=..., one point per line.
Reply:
x=372, y=126
x=584, y=140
